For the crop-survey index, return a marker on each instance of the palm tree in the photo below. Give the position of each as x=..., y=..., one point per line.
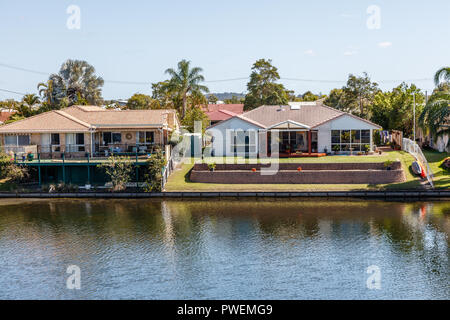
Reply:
x=80, y=81
x=185, y=81
x=436, y=114
x=442, y=75
x=45, y=90
x=30, y=99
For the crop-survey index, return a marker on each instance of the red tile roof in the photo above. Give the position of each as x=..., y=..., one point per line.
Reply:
x=219, y=112
x=4, y=115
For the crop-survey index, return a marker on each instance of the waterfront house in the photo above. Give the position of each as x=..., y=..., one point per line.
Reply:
x=304, y=128
x=222, y=111
x=80, y=130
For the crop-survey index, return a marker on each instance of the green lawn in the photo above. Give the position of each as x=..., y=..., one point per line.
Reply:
x=435, y=160
x=179, y=180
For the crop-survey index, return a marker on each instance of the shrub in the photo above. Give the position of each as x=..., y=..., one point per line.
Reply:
x=388, y=163
x=17, y=173
x=153, y=176
x=377, y=137
x=5, y=163
x=212, y=166
x=118, y=169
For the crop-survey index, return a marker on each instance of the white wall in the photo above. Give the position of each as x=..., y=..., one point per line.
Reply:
x=219, y=133
x=344, y=122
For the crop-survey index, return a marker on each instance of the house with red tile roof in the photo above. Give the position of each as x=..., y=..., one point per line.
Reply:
x=297, y=128
x=5, y=114
x=221, y=112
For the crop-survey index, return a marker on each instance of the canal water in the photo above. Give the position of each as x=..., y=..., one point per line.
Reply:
x=227, y=249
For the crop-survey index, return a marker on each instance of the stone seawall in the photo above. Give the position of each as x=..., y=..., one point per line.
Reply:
x=311, y=173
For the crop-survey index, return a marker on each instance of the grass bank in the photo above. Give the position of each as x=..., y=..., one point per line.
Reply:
x=179, y=180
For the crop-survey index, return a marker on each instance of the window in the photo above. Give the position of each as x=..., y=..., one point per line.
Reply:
x=344, y=140
x=80, y=138
x=116, y=137
x=243, y=141
x=365, y=136
x=55, y=139
x=17, y=140
x=145, y=137
x=111, y=137
x=335, y=136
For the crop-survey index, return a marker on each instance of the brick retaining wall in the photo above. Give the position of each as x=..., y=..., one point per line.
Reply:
x=305, y=166
x=312, y=173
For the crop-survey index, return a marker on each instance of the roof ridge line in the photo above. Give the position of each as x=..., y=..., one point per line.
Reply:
x=70, y=117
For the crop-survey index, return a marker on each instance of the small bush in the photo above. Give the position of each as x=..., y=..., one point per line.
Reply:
x=119, y=171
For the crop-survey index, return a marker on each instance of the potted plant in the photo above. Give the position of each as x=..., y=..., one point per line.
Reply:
x=388, y=164
x=336, y=149
x=253, y=169
x=30, y=156
x=367, y=149
x=212, y=166
x=299, y=169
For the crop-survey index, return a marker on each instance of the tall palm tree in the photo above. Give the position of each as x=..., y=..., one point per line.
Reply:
x=185, y=81
x=442, y=75
x=436, y=114
x=45, y=90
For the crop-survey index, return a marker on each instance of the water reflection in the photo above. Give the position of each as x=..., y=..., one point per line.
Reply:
x=254, y=249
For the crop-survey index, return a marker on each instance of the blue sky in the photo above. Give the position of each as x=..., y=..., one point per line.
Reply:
x=137, y=40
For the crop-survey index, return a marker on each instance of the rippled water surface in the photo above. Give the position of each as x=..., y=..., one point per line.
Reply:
x=210, y=249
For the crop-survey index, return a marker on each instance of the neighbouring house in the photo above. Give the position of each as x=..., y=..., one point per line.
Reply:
x=5, y=114
x=307, y=128
x=221, y=112
x=80, y=130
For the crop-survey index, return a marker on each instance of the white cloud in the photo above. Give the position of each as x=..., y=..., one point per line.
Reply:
x=350, y=52
x=385, y=44
x=310, y=52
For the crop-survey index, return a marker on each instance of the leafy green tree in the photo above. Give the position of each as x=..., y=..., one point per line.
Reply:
x=335, y=99
x=355, y=97
x=195, y=113
x=153, y=176
x=139, y=101
x=262, y=87
x=309, y=96
x=212, y=98
x=394, y=109
x=234, y=100
x=436, y=114
x=185, y=81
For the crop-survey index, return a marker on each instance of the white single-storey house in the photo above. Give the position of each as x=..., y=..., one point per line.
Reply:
x=306, y=127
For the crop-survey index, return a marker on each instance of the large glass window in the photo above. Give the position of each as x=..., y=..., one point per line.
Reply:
x=335, y=136
x=17, y=140
x=346, y=140
x=365, y=136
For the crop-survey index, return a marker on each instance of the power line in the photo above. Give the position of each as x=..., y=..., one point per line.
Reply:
x=15, y=92
x=215, y=81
